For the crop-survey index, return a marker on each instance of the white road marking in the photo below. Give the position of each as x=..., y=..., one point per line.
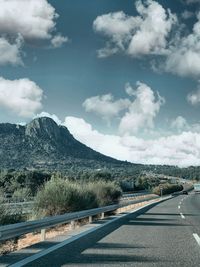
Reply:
x=179, y=207
x=197, y=238
x=182, y=216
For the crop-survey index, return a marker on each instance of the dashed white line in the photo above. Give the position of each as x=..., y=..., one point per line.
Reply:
x=179, y=207
x=182, y=216
x=197, y=238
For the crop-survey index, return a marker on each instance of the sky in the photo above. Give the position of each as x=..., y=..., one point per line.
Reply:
x=122, y=76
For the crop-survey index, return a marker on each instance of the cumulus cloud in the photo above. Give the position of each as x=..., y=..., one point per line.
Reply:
x=183, y=56
x=10, y=53
x=179, y=123
x=192, y=1
x=140, y=35
x=31, y=20
x=151, y=36
x=22, y=96
x=181, y=149
x=59, y=40
x=186, y=14
x=105, y=105
x=142, y=111
x=136, y=112
x=52, y=116
x=106, y=144
x=194, y=97
x=151, y=33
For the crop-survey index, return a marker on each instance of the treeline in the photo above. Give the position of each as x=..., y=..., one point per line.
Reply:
x=24, y=184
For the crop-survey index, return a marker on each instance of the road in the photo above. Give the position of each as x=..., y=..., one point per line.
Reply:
x=162, y=236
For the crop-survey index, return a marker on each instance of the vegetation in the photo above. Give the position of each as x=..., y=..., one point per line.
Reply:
x=59, y=196
x=6, y=217
x=22, y=183
x=167, y=189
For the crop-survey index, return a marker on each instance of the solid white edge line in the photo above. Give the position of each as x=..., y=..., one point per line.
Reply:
x=71, y=239
x=182, y=216
x=197, y=238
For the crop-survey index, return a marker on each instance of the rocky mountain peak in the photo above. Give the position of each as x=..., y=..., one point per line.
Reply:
x=42, y=127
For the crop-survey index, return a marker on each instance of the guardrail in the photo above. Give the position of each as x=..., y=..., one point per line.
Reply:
x=26, y=207
x=18, y=229
x=127, y=196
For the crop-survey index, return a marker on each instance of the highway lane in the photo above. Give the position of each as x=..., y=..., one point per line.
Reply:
x=162, y=236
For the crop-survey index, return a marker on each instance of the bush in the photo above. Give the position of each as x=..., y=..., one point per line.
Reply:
x=106, y=193
x=59, y=196
x=21, y=194
x=6, y=217
x=167, y=189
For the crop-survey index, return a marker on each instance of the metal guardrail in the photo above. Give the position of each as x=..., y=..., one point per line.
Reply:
x=127, y=196
x=26, y=207
x=18, y=229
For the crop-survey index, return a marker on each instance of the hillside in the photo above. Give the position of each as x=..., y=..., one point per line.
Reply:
x=43, y=144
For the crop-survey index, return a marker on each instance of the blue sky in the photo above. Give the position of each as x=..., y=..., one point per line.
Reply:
x=123, y=76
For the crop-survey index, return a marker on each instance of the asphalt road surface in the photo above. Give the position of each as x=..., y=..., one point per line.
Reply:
x=165, y=235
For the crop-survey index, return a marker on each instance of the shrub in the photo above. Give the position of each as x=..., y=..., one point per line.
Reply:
x=59, y=196
x=106, y=193
x=6, y=216
x=21, y=194
x=167, y=189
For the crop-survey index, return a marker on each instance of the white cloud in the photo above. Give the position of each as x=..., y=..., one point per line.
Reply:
x=192, y=1
x=194, y=97
x=181, y=149
x=139, y=35
x=32, y=20
x=10, y=53
x=105, y=105
x=184, y=56
x=118, y=27
x=142, y=111
x=59, y=40
x=22, y=96
x=179, y=123
x=151, y=36
x=107, y=144
x=135, y=114
x=52, y=116
x=186, y=14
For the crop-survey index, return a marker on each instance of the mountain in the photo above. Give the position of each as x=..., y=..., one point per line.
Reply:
x=43, y=144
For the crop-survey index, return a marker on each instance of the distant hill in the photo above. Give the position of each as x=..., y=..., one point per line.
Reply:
x=42, y=144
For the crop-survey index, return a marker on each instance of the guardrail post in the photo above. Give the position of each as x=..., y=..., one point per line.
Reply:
x=90, y=219
x=43, y=234
x=72, y=225
x=102, y=215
